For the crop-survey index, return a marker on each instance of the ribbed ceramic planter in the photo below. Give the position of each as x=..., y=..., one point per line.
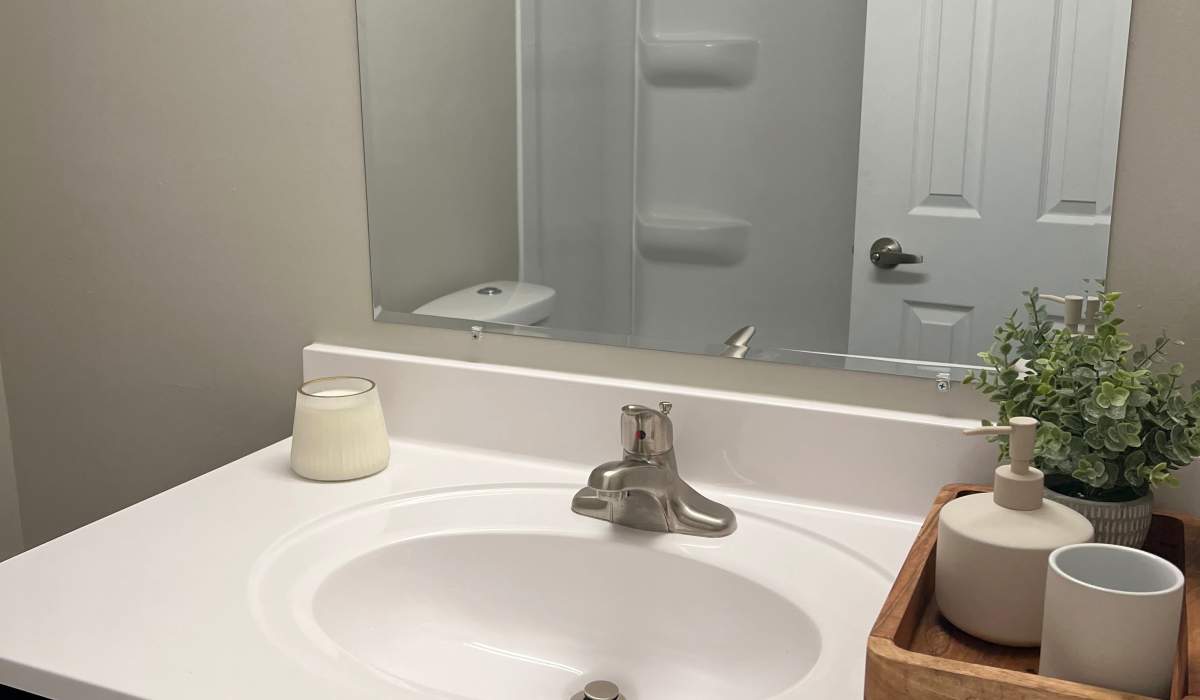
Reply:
x=1124, y=522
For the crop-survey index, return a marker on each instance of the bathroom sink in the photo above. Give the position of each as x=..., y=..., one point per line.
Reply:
x=529, y=614
x=503, y=592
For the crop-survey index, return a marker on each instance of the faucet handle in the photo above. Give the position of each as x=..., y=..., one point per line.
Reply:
x=646, y=432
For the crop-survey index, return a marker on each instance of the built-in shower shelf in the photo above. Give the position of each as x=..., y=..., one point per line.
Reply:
x=698, y=61
x=699, y=241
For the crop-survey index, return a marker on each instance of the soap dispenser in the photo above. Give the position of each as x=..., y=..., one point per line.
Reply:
x=993, y=548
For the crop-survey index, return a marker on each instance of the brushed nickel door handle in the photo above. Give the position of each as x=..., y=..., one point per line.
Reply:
x=887, y=253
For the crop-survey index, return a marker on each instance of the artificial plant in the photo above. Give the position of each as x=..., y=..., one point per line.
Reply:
x=1114, y=422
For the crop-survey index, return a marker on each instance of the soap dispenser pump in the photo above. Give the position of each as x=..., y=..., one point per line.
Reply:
x=993, y=548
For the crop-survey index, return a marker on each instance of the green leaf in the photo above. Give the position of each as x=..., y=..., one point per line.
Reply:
x=1135, y=459
x=1138, y=398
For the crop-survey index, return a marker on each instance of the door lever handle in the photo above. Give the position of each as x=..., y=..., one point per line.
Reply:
x=887, y=253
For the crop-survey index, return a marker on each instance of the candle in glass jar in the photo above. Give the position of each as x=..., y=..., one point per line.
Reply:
x=339, y=431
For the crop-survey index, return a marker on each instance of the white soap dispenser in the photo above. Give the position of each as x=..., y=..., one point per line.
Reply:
x=993, y=548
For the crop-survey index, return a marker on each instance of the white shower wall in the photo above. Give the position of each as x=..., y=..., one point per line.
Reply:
x=576, y=130
x=780, y=153
x=717, y=193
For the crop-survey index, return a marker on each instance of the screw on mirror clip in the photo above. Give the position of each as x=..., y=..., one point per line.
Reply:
x=476, y=332
x=942, y=382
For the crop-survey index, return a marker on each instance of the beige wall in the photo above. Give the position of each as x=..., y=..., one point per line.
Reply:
x=11, y=540
x=440, y=187
x=1155, y=245
x=181, y=195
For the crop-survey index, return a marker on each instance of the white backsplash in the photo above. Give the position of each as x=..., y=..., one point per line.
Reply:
x=885, y=461
x=838, y=454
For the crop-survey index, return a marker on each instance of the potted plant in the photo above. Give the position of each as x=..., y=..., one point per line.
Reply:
x=1115, y=424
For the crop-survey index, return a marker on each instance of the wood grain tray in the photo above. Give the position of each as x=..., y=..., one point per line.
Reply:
x=914, y=653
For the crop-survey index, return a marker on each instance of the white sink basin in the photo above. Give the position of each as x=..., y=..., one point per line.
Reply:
x=529, y=615
x=503, y=592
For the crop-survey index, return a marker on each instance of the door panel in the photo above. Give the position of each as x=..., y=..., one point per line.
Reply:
x=955, y=60
x=938, y=332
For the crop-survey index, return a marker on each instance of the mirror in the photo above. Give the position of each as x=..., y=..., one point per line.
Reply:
x=852, y=183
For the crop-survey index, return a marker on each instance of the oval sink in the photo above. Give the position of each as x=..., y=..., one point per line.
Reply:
x=499, y=615
x=504, y=593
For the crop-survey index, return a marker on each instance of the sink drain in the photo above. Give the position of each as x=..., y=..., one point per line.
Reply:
x=599, y=690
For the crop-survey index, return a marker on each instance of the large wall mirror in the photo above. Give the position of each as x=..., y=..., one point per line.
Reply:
x=857, y=183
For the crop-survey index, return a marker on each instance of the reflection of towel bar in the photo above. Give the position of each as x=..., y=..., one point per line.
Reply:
x=699, y=61
x=699, y=241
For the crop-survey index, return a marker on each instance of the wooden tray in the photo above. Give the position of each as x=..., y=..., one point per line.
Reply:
x=914, y=653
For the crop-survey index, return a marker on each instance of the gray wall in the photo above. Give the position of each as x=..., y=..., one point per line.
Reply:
x=11, y=539
x=182, y=201
x=1155, y=243
x=441, y=192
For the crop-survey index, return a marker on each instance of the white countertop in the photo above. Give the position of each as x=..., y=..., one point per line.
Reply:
x=154, y=601
x=166, y=599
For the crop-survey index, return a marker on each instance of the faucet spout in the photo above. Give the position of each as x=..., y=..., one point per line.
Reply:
x=628, y=474
x=627, y=491
x=738, y=344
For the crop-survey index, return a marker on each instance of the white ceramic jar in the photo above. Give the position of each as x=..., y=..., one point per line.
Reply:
x=1112, y=618
x=339, y=432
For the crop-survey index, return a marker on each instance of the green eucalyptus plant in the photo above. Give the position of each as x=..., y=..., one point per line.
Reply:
x=1114, y=423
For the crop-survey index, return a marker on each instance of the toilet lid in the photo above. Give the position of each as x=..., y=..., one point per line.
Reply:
x=498, y=301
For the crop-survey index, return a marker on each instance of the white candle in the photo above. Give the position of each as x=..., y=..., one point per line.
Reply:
x=339, y=432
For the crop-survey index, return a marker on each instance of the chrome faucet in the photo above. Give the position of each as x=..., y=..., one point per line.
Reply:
x=643, y=490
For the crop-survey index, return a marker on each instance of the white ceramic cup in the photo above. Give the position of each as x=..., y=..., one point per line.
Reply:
x=339, y=432
x=1111, y=618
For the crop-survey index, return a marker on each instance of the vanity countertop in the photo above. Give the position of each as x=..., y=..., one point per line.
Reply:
x=158, y=601
x=185, y=595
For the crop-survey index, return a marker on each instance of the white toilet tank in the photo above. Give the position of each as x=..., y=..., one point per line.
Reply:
x=500, y=301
